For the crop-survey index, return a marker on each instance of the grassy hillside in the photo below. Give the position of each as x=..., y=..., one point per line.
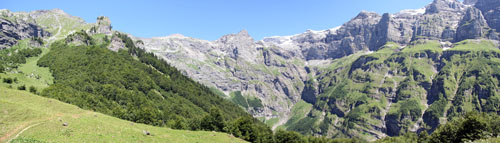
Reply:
x=25, y=71
x=32, y=118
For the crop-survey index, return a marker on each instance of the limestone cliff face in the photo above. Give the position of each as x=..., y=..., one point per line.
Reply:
x=472, y=26
x=491, y=12
x=236, y=63
x=48, y=25
x=12, y=30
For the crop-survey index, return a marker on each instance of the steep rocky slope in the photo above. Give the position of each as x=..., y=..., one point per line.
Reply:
x=14, y=29
x=54, y=23
x=266, y=80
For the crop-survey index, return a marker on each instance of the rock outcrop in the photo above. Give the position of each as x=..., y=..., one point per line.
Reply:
x=388, y=30
x=439, y=6
x=239, y=45
x=470, y=2
x=79, y=38
x=11, y=31
x=472, y=26
x=40, y=24
x=491, y=12
x=102, y=26
x=116, y=43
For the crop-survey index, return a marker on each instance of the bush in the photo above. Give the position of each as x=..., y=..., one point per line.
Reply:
x=33, y=89
x=22, y=87
x=249, y=129
x=214, y=121
x=7, y=80
x=282, y=136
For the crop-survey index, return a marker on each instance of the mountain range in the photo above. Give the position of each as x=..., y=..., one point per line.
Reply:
x=372, y=77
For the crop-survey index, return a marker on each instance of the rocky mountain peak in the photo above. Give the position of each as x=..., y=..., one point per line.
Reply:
x=103, y=26
x=243, y=33
x=438, y=6
x=237, y=45
x=366, y=14
x=43, y=13
x=176, y=35
x=470, y=2
x=410, y=12
x=241, y=36
x=59, y=11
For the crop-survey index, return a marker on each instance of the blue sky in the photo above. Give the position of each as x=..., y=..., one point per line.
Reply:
x=210, y=19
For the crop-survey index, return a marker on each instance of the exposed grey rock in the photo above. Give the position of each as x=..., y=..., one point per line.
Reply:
x=102, y=26
x=356, y=34
x=439, y=22
x=491, y=11
x=146, y=132
x=11, y=31
x=438, y=6
x=310, y=91
x=235, y=62
x=436, y=26
x=79, y=38
x=470, y=2
x=238, y=45
x=472, y=26
x=448, y=34
x=116, y=43
x=389, y=30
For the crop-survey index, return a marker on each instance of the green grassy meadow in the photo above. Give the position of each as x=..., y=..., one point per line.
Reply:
x=26, y=117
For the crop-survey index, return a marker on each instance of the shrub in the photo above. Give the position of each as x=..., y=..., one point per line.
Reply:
x=22, y=87
x=288, y=137
x=33, y=89
x=7, y=80
x=214, y=121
